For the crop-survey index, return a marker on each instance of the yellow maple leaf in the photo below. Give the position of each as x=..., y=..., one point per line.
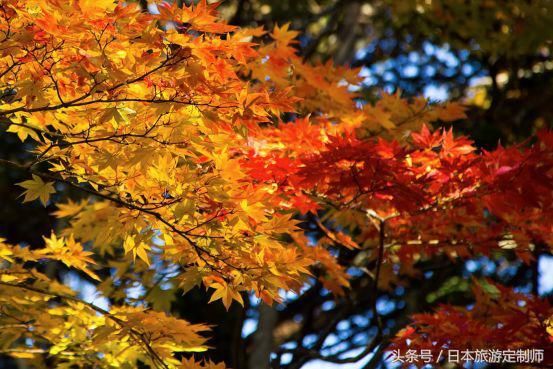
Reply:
x=226, y=293
x=23, y=132
x=253, y=210
x=191, y=278
x=53, y=243
x=69, y=209
x=36, y=188
x=284, y=35
x=139, y=250
x=452, y=111
x=69, y=252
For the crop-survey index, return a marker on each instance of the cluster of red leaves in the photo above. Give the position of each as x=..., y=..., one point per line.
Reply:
x=482, y=202
x=437, y=189
x=439, y=195
x=501, y=319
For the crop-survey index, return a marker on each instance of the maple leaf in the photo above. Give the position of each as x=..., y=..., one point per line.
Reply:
x=69, y=252
x=192, y=364
x=36, y=188
x=284, y=35
x=139, y=250
x=426, y=138
x=23, y=132
x=452, y=111
x=68, y=209
x=226, y=293
x=256, y=211
x=191, y=278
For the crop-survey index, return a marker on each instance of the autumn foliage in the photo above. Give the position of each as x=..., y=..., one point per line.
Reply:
x=196, y=149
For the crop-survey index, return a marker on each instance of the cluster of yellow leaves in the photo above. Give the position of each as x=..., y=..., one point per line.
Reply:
x=397, y=117
x=55, y=322
x=68, y=251
x=154, y=120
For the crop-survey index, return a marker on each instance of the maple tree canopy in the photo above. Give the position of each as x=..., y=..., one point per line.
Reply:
x=174, y=144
